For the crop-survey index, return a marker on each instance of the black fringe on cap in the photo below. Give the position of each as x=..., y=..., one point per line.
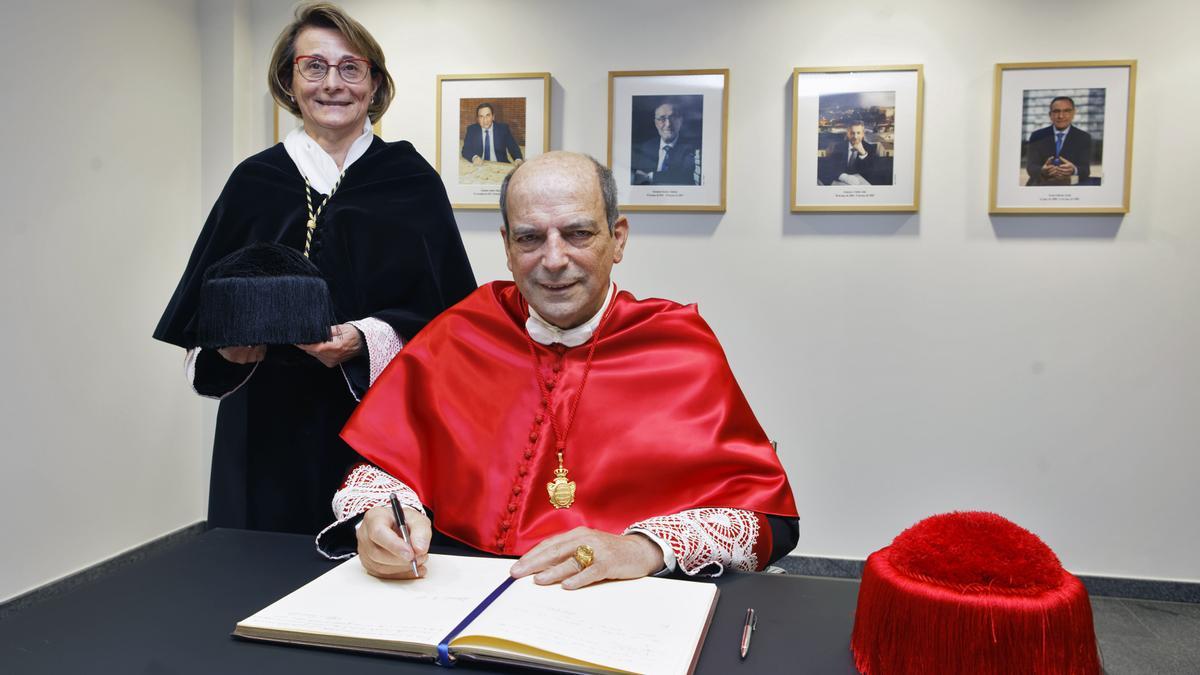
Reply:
x=263, y=294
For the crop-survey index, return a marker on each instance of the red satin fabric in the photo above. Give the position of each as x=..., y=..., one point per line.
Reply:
x=662, y=425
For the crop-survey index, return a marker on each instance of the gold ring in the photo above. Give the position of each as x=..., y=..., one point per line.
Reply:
x=584, y=556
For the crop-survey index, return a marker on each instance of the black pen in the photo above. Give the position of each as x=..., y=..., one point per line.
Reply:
x=402, y=525
x=748, y=630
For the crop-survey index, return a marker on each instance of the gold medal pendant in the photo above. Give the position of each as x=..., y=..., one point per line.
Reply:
x=561, y=490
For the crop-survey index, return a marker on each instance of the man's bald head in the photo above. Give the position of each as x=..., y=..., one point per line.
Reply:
x=574, y=164
x=562, y=235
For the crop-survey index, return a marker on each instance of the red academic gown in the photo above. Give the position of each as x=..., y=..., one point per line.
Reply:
x=661, y=427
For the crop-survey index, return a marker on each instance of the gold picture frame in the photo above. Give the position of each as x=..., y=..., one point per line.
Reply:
x=652, y=172
x=518, y=120
x=884, y=106
x=1086, y=169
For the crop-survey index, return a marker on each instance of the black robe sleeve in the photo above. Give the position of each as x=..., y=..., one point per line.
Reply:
x=785, y=532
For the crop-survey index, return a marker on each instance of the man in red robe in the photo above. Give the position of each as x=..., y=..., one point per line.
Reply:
x=595, y=435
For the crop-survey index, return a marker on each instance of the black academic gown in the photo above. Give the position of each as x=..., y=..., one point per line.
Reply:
x=389, y=248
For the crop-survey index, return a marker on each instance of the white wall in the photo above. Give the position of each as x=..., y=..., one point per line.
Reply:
x=908, y=364
x=100, y=186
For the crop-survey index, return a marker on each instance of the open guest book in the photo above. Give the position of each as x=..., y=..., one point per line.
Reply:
x=470, y=609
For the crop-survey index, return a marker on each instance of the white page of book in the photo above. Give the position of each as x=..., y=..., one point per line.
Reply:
x=348, y=601
x=642, y=625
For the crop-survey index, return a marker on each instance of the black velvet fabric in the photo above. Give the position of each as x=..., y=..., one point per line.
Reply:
x=263, y=294
x=388, y=247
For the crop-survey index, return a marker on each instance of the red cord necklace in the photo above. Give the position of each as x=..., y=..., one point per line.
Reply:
x=560, y=490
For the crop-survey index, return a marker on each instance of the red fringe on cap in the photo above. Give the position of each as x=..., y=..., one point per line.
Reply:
x=908, y=623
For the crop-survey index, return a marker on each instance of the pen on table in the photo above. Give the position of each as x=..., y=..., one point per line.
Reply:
x=747, y=630
x=402, y=525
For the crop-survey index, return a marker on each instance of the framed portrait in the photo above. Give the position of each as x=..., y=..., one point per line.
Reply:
x=666, y=138
x=856, y=138
x=284, y=122
x=486, y=126
x=1062, y=137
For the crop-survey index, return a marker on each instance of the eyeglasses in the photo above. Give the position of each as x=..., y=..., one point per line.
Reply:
x=663, y=118
x=314, y=68
x=1061, y=111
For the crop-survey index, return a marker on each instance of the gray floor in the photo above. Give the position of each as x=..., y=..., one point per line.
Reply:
x=1143, y=637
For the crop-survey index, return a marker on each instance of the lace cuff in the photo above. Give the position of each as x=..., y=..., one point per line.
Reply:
x=706, y=541
x=365, y=488
x=382, y=344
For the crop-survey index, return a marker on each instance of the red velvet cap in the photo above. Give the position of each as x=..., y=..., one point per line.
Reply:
x=971, y=593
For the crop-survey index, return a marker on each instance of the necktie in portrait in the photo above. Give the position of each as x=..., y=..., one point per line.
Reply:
x=487, y=144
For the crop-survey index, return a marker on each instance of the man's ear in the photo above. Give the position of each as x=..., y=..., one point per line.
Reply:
x=621, y=235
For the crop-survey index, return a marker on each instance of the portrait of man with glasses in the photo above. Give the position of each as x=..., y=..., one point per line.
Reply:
x=666, y=140
x=1060, y=154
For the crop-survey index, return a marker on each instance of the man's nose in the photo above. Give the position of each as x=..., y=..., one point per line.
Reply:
x=554, y=257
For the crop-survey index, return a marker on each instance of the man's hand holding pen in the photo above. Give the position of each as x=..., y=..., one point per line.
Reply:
x=384, y=553
x=382, y=549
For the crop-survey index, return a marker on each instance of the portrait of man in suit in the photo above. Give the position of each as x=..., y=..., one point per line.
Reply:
x=1060, y=154
x=489, y=140
x=671, y=155
x=856, y=138
x=853, y=161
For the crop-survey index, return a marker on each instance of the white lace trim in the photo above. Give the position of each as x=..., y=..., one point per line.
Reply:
x=703, y=537
x=365, y=488
x=382, y=344
x=189, y=369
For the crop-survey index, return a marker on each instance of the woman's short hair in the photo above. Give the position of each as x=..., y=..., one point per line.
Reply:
x=327, y=15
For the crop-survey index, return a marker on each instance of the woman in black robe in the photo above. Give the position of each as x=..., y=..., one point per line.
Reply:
x=385, y=241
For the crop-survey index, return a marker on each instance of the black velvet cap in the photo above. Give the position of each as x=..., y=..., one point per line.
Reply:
x=263, y=294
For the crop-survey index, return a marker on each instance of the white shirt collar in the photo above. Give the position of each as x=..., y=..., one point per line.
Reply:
x=315, y=164
x=545, y=333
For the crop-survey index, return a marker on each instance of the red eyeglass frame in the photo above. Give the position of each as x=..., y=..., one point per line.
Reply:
x=333, y=66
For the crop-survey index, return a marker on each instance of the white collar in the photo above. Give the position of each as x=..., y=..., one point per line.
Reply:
x=315, y=164
x=545, y=333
